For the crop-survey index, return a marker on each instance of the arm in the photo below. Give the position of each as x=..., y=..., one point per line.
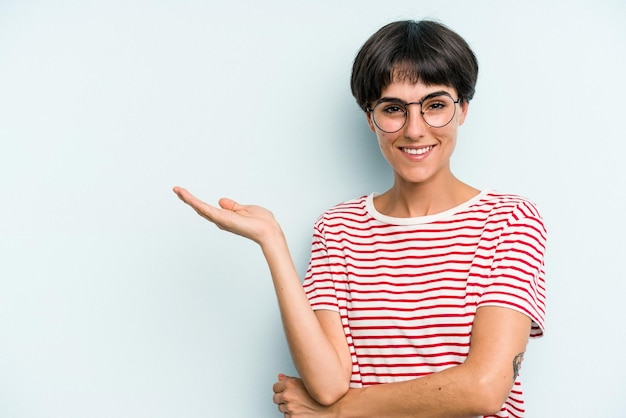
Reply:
x=479, y=386
x=316, y=340
x=320, y=356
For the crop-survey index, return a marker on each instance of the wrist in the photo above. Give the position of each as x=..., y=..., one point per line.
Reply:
x=272, y=240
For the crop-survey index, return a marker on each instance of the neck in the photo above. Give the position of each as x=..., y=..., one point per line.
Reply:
x=408, y=200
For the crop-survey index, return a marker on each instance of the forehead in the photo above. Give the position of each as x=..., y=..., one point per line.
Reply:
x=408, y=91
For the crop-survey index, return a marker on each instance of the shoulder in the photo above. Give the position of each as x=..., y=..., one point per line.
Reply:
x=511, y=206
x=511, y=214
x=349, y=210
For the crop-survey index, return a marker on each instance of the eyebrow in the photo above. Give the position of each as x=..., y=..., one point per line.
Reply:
x=428, y=96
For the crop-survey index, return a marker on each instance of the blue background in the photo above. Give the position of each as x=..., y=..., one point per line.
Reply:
x=116, y=300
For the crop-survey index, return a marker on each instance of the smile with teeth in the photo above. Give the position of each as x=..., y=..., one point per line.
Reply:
x=417, y=151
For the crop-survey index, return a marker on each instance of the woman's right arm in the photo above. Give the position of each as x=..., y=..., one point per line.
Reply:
x=324, y=367
x=316, y=341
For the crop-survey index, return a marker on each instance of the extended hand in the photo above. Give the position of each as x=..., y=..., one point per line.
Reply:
x=249, y=221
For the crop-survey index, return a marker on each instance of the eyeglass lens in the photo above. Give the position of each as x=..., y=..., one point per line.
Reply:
x=391, y=115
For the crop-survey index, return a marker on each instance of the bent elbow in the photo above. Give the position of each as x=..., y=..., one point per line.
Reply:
x=328, y=395
x=490, y=405
x=490, y=396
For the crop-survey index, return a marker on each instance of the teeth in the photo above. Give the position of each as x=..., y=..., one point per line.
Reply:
x=418, y=151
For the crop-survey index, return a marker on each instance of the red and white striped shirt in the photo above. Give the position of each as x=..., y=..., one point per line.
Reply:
x=407, y=289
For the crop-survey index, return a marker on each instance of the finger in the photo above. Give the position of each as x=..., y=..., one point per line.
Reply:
x=279, y=387
x=283, y=408
x=178, y=190
x=226, y=203
x=203, y=209
x=184, y=195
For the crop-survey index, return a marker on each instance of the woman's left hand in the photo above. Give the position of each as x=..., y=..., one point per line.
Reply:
x=294, y=401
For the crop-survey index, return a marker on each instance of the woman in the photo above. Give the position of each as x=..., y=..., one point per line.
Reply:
x=418, y=301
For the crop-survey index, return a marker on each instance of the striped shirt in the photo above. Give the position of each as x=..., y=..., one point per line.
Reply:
x=407, y=289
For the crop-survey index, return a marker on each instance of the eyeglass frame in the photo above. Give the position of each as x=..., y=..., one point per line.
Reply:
x=406, y=106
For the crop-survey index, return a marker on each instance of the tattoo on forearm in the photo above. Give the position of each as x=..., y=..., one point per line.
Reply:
x=517, y=364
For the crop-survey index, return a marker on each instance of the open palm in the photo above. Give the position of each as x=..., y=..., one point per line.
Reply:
x=249, y=221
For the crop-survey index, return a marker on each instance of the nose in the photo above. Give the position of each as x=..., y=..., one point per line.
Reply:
x=415, y=126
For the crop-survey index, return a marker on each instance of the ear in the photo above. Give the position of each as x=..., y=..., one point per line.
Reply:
x=368, y=116
x=463, y=114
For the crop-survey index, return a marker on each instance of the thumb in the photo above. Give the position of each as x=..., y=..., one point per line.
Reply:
x=229, y=204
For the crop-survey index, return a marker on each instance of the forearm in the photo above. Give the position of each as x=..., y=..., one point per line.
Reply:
x=455, y=392
x=316, y=359
x=478, y=386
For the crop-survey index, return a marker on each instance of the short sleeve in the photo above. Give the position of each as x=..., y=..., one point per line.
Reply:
x=318, y=283
x=517, y=275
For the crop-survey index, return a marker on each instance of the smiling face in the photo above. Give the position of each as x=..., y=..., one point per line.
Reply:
x=419, y=153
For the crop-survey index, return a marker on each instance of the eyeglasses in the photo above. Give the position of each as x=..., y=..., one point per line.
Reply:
x=437, y=110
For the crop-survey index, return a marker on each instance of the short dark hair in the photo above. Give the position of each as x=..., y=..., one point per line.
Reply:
x=412, y=50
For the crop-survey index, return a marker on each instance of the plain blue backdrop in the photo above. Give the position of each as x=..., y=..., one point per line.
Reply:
x=116, y=300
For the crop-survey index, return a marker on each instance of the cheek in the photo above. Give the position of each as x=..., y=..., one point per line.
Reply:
x=386, y=142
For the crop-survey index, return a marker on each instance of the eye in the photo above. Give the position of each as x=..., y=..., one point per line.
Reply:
x=437, y=104
x=434, y=105
x=393, y=109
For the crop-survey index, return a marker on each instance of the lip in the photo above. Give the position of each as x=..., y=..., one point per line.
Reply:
x=415, y=156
